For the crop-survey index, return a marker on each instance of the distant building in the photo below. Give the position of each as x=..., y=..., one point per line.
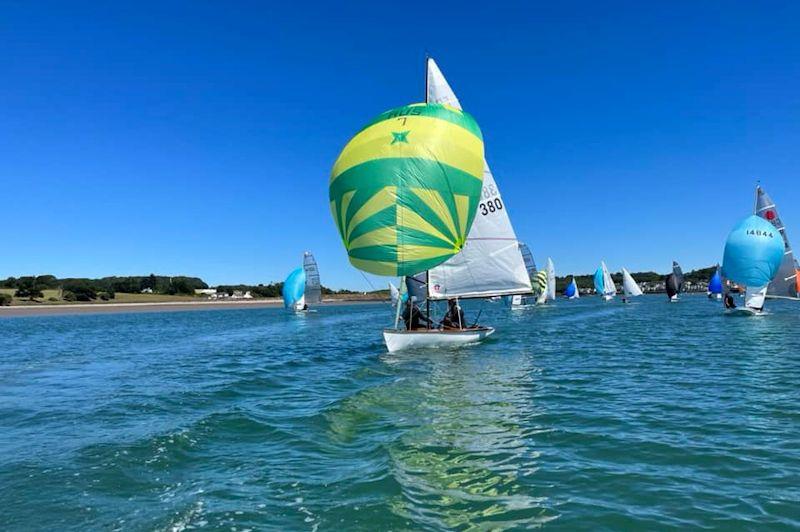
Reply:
x=147, y=290
x=205, y=291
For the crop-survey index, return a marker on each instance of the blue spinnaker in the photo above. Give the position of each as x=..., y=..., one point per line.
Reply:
x=570, y=291
x=293, y=287
x=598, y=280
x=753, y=252
x=715, y=284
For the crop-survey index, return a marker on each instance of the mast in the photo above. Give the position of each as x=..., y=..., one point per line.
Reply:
x=427, y=272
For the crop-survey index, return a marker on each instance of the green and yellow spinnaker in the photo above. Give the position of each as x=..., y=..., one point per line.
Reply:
x=405, y=189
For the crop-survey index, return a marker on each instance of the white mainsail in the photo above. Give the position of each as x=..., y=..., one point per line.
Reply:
x=551, y=280
x=313, y=292
x=784, y=284
x=609, y=288
x=490, y=264
x=629, y=285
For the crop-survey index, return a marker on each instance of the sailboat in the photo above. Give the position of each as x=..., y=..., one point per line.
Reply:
x=603, y=283
x=786, y=284
x=302, y=287
x=715, y=285
x=629, y=285
x=407, y=194
x=540, y=287
x=753, y=255
x=572, y=292
x=490, y=263
x=517, y=301
x=674, y=282
x=551, y=280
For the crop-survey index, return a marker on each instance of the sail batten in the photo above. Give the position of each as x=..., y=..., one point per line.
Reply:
x=490, y=263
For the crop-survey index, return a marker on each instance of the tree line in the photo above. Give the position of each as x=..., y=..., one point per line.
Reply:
x=84, y=289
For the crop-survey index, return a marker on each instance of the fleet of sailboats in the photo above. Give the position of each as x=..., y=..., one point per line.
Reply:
x=413, y=196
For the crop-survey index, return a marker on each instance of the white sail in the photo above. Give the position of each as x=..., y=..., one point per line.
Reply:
x=551, y=280
x=754, y=298
x=629, y=285
x=576, y=294
x=609, y=288
x=394, y=294
x=313, y=292
x=490, y=263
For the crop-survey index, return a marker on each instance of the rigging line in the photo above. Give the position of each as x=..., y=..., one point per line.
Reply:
x=375, y=290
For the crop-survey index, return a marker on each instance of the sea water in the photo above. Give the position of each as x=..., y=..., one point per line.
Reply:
x=576, y=415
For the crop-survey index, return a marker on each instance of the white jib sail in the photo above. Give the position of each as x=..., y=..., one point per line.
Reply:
x=629, y=285
x=577, y=293
x=490, y=263
x=754, y=298
x=551, y=280
x=609, y=288
x=394, y=294
x=313, y=292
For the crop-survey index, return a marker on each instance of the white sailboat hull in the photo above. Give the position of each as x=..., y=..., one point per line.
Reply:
x=399, y=340
x=608, y=297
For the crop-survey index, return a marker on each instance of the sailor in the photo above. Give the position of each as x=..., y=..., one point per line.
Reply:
x=454, y=318
x=729, y=303
x=412, y=315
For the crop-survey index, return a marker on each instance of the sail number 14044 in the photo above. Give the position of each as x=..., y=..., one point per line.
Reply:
x=491, y=203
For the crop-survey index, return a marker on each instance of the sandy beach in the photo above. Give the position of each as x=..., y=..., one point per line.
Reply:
x=166, y=306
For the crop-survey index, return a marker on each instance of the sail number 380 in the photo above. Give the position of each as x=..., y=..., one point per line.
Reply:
x=492, y=205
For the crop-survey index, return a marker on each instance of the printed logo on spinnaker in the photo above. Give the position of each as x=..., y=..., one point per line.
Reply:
x=437, y=288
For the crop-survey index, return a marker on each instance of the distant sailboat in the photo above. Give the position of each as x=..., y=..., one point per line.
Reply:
x=715, y=285
x=786, y=283
x=540, y=286
x=753, y=255
x=520, y=300
x=629, y=285
x=551, y=280
x=674, y=282
x=603, y=283
x=302, y=287
x=572, y=292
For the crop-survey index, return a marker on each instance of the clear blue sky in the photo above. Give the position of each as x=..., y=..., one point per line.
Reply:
x=197, y=138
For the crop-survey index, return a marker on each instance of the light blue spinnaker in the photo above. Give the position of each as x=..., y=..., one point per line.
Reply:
x=598, y=280
x=753, y=252
x=293, y=288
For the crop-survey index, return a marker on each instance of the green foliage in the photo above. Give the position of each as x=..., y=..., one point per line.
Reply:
x=82, y=289
x=28, y=287
x=5, y=300
x=69, y=296
x=106, y=296
x=11, y=282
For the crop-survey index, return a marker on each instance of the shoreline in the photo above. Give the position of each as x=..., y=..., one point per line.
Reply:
x=16, y=311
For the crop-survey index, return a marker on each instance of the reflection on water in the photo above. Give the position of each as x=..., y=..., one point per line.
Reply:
x=462, y=453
